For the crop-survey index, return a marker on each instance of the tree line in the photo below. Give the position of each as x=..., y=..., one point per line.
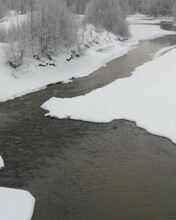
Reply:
x=153, y=7
x=51, y=26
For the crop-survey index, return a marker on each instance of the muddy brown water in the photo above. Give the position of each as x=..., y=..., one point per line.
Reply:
x=86, y=171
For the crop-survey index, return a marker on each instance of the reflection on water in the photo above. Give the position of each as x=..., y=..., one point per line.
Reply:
x=85, y=171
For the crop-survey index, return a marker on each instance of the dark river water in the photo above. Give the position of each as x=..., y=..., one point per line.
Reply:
x=86, y=171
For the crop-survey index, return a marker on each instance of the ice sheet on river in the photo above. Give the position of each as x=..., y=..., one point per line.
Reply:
x=147, y=97
x=16, y=204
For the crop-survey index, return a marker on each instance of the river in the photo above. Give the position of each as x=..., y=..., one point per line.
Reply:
x=86, y=171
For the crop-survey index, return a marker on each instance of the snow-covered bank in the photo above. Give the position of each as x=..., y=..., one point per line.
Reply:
x=16, y=204
x=147, y=97
x=144, y=19
x=163, y=51
x=1, y=163
x=31, y=77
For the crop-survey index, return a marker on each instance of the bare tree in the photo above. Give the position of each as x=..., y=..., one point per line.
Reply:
x=50, y=27
x=17, y=43
x=174, y=11
x=3, y=9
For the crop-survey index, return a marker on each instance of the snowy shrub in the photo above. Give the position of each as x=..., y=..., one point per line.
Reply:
x=107, y=15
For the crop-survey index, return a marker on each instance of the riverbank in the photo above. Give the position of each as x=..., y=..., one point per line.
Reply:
x=32, y=77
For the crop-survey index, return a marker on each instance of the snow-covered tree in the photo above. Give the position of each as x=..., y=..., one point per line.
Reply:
x=50, y=27
x=16, y=37
x=124, y=5
x=157, y=7
x=77, y=6
x=3, y=9
x=107, y=15
x=174, y=10
x=135, y=5
x=54, y=27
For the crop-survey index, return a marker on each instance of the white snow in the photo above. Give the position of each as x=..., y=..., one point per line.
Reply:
x=1, y=163
x=163, y=51
x=16, y=204
x=143, y=32
x=11, y=19
x=144, y=19
x=31, y=77
x=147, y=97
